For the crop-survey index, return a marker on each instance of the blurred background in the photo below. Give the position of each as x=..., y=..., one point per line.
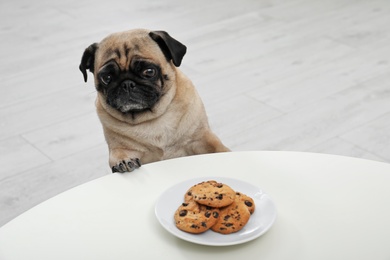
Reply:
x=292, y=75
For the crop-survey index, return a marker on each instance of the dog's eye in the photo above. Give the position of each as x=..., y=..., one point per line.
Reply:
x=106, y=78
x=149, y=73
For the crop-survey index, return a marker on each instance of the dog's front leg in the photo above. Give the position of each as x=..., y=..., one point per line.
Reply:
x=209, y=143
x=123, y=160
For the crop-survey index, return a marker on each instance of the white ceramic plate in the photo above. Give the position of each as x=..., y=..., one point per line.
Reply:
x=261, y=220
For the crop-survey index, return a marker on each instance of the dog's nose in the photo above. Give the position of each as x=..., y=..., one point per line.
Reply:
x=127, y=85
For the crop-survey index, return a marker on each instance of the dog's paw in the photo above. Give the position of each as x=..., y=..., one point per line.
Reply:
x=126, y=166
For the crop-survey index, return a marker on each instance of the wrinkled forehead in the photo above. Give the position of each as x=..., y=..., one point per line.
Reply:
x=123, y=47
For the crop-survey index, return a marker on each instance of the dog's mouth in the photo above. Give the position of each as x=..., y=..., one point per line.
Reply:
x=133, y=108
x=132, y=102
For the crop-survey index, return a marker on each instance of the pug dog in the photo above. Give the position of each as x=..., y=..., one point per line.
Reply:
x=148, y=108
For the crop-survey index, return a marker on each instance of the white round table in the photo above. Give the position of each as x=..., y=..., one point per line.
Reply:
x=329, y=207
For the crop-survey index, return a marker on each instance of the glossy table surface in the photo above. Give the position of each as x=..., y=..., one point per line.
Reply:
x=328, y=207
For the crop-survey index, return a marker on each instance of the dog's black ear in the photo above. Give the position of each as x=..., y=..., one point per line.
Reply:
x=88, y=60
x=172, y=49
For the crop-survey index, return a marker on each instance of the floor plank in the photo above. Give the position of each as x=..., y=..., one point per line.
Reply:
x=315, y=123
x=373, y=136
x=66, y=138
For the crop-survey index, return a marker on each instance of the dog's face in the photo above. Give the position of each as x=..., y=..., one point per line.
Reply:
x=133, y=70
x=134, y=88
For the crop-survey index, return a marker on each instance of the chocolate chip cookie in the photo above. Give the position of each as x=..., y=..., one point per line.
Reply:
x=248, y=201
x=232, y=218
x=195, y=218
x=211, y=193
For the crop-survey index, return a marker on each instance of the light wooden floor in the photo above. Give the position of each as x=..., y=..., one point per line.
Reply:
x=302, y=75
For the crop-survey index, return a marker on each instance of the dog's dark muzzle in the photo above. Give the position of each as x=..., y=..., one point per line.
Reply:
x=130, y=96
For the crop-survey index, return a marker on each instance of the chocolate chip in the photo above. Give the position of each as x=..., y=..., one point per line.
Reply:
x=194, y=226
x=219, y=185
x=182, y=213
x=228, y=224
x=204, y=224
x=220, y=197
x=248, y=203
x=226, y=217
x=185, y=204
x=215, y=214
x=207, y=214
x=189, y=193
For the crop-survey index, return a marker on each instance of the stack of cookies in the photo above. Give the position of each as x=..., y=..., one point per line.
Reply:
x=213, y=205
